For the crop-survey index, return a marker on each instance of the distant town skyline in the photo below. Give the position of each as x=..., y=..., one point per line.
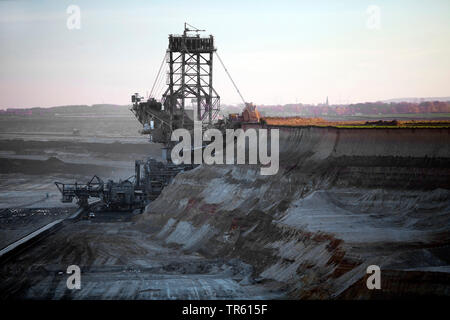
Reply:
x=278, y=52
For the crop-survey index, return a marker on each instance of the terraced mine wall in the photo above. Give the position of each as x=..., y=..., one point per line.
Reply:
x=342, y=200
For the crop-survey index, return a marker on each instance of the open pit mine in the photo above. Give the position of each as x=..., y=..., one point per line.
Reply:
x=347, y=198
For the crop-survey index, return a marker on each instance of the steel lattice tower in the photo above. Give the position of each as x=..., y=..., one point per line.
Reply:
x=190, y=76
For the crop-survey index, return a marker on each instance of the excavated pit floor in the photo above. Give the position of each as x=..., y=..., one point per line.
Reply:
x=119, y=261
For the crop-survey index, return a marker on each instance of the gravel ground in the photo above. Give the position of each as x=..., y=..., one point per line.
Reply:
x=119, y=261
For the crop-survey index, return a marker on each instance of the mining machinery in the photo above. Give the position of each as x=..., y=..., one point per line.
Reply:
x=189, y=96
x=189, y=79
x=150, y=178
x=189, y=64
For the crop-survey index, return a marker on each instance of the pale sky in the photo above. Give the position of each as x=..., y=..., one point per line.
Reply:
x=278, y=52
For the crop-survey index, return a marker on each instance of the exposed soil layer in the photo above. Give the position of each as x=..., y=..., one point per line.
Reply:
x=342, y=200
x=302, y=121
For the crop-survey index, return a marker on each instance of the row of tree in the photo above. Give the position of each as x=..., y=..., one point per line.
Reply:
x=368, y=108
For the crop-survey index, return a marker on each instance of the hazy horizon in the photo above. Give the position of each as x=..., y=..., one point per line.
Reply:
x=277, y=52
x=397, y=100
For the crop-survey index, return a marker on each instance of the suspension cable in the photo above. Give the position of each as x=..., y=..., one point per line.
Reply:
x=157, y=76
x=229, y=76
x=159, y=89
x=161, y=82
